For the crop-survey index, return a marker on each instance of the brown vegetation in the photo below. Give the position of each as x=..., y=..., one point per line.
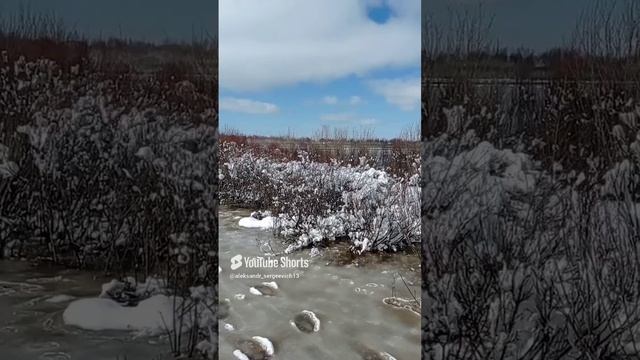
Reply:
x=396, y=155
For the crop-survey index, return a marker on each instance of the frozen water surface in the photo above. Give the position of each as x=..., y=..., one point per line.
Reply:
x=347, y=300
x=33, y=300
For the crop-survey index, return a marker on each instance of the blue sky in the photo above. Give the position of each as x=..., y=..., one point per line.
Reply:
x=299, y=65
x=150, y=20
x=534, y=24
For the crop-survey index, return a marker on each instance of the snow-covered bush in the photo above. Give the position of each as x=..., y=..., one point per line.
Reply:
x=117, y=173
x=530, y=236
x=105, y=170
x=315, y=203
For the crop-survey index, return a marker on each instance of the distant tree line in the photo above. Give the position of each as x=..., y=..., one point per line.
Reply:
x=605, y=44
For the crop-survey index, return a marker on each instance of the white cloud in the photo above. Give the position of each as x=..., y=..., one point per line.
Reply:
x=403, y=93
x=341, y=117
x=264, y=44
x=333, y=100
x=247, y=106
x=330, y=100
x=355, y=100
x=369, y=121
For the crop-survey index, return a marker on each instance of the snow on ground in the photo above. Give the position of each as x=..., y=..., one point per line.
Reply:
x=96, y=314
x=255, y=291
x=266, y=344
x=271, y=284
x=239, y=355
x=250, y=222
x=152, y=315
x=313, y=318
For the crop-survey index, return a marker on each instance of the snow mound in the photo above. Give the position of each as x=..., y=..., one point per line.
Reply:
x=314, y=318
x=240, y=355
x=307, y=321
x=251, y=222
x=265, y=343
x=255, y=291
x=271, y=284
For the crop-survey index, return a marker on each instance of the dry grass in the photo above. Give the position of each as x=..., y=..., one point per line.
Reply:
x=327, y=145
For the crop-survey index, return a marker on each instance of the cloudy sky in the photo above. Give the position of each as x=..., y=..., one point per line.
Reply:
x=299, y=65
x=533, y=24
x=150, y=20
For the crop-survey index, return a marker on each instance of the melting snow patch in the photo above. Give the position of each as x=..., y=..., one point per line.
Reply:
x=387, y=356
x=265, y=343
x=271, y=284
x=315, y=252
x=307, y=321
x=250, y=222
x=105, y=314
x=240, y=355
x=255, y=291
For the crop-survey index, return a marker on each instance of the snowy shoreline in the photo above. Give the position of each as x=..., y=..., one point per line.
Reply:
x=315, y=204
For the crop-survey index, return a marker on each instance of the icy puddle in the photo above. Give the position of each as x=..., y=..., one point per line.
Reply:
x=354, y=323
x=32, y=300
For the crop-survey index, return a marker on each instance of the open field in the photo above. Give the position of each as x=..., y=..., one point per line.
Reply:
x=395, y=156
